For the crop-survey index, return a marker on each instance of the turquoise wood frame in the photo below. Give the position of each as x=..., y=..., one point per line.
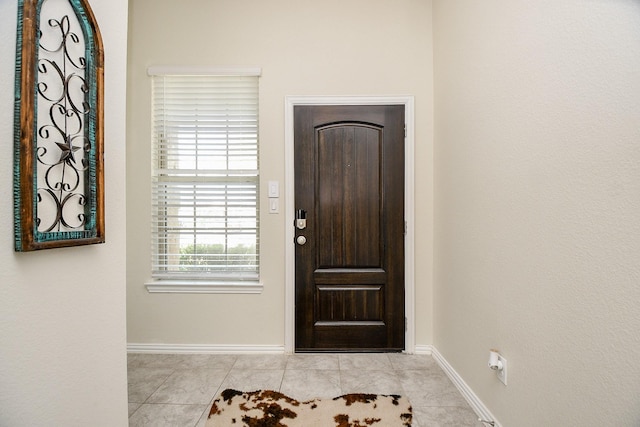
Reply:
x=88, y=225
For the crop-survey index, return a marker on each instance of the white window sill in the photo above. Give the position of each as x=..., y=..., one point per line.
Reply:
x=203, y=287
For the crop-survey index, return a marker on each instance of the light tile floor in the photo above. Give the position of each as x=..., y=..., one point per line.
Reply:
x=177, y=390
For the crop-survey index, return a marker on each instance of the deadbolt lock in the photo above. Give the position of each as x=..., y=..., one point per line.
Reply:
x=301, y=219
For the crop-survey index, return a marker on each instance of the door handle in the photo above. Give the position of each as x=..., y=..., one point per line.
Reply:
x=301, y=240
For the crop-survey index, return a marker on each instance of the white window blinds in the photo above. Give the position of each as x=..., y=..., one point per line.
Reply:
x=205, y=178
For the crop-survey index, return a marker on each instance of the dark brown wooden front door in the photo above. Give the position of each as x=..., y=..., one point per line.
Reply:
x=349, y=181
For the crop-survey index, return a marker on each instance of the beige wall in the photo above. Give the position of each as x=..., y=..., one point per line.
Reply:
x=359, y=47
x=62, y=311
x=537, y=196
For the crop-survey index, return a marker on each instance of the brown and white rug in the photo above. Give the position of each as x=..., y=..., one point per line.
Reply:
x=265, y=408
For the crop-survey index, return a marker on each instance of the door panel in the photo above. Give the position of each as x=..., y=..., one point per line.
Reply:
x=348, y=185
x=349, y=173
x=346, y=303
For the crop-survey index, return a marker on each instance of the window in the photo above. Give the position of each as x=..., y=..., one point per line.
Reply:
x=205, y=182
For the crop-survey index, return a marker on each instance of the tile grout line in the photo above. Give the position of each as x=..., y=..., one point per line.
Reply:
x=161, y=384
x=284, y=371
x=173, y=370
x=217, y=392
x=340, y=375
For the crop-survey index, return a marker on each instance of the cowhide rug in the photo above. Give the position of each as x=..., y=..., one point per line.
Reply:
x=265, y=408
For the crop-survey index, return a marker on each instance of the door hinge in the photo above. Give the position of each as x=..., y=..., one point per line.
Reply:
x=405, y=228
x=405, y=131
x=406, y=324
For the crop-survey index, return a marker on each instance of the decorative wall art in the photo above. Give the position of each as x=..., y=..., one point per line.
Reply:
x=58, y=153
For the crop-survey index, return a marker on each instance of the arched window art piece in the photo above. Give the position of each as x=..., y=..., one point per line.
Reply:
x=58, y=153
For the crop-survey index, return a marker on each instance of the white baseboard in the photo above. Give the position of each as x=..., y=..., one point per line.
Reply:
x=227, y=349
x=204, y=349
x=474, y=401
x=424, y=349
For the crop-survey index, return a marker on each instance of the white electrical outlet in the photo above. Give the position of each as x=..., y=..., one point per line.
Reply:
x=502, y=373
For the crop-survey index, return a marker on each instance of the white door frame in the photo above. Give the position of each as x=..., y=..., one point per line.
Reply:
x=292, y=101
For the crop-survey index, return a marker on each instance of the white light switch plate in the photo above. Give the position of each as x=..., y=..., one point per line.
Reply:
x=274, y=205
x=502, y=373
x=274, y=189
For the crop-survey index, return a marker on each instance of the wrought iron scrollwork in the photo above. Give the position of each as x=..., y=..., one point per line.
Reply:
x=58, y=163
x=63, y=147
